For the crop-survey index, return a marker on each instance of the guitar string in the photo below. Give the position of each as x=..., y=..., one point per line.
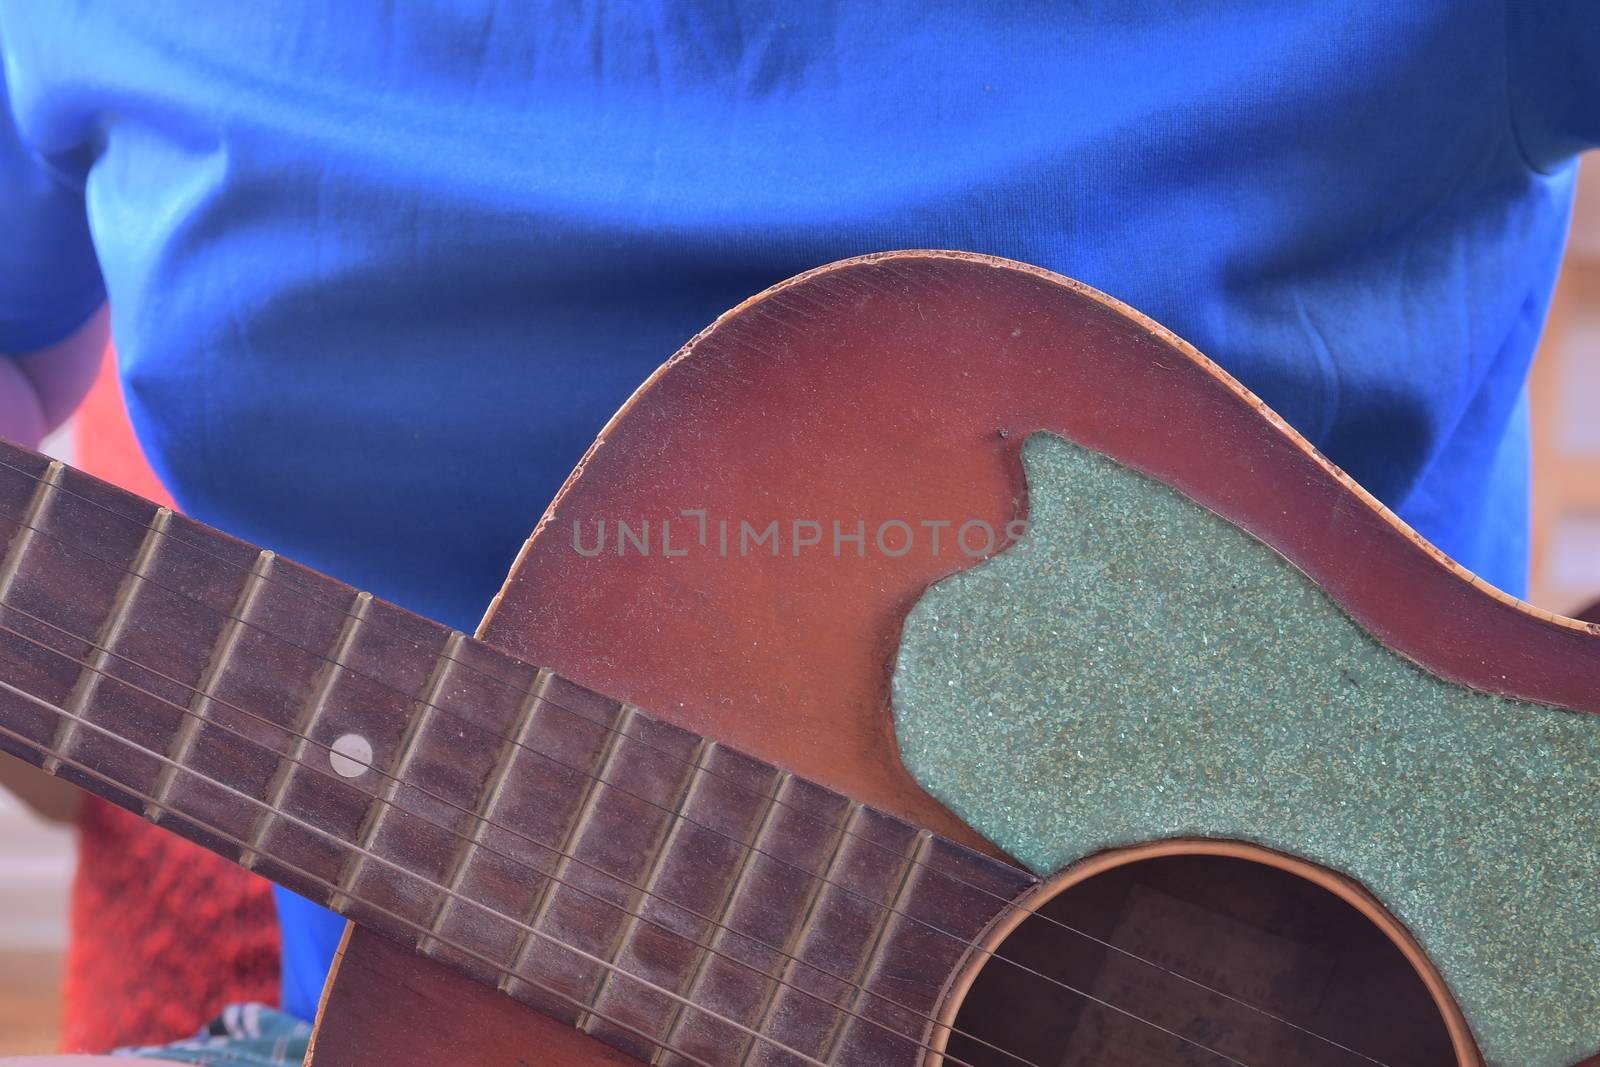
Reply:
x=342, y=610
x=1007, y=904
x=455, y=717
x=964, y=942
x=715, y=924
x=303, y=873
x=524, y=865
x=526, y=927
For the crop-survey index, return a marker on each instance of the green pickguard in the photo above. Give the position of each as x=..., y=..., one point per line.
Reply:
x=1138, y=668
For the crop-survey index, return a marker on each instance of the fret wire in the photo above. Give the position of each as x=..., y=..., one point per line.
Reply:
x=919, y=848
x=791, y=948
x=537, y=911
x=674, y=822
x=841, y=833
x=202, y=698
x=28, y=525
x=83, y=768
x=100, y=655
x=309, y=596
x=466, y=666
x=417, y=928
x=497, y=681
x=490, y=801
x=384, y=801
x=737, y=884
x=804, y=814
x=939, y=930
x=305, y=723
x=488, y=677
x=27, y=529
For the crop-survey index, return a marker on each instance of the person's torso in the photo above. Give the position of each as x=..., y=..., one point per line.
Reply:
x=379, y=278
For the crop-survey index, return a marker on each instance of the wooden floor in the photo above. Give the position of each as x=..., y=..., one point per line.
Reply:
x=30, y=1002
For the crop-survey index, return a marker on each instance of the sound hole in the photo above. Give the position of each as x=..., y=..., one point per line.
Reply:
x=1267, y=937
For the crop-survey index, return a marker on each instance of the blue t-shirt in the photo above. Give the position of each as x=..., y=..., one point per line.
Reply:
x=379, y=273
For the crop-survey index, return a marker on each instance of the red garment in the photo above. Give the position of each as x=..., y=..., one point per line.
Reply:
x=164, y=935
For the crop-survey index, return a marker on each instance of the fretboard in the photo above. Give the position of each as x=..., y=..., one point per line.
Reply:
x=676, y=898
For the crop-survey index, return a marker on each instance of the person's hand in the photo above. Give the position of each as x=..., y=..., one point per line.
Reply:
x=38, y=390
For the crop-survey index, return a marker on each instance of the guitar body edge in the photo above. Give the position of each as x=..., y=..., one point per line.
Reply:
x=894, y=387
x=385, y=1006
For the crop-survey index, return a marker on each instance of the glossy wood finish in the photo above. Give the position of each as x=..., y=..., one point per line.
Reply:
x=901, y=386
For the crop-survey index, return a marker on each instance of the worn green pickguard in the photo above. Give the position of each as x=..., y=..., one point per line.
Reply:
x=1136, y=668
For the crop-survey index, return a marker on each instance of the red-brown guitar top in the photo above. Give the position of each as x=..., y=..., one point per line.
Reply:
x=900, y=384
x=659, y=811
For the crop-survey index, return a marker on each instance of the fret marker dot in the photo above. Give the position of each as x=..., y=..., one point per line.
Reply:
x=351, y=755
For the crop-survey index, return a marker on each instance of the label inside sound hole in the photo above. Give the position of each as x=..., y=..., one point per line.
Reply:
x=1272, y=972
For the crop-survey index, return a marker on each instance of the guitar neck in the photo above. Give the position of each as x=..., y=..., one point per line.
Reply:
x=647, y=884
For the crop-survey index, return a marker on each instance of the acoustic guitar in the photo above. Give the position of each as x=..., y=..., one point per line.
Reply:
x=935, y=662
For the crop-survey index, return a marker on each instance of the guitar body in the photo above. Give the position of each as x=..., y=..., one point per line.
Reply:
x=935, y=664
x=900, y=387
